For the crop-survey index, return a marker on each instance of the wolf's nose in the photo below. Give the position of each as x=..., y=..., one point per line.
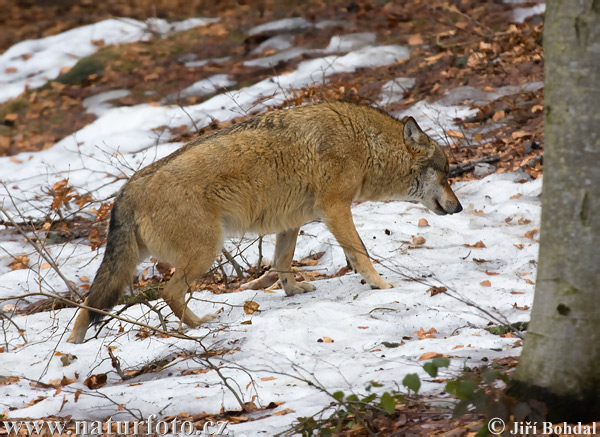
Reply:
x=458, y=208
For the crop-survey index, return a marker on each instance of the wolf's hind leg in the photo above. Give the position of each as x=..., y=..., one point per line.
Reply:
x=194, y=260
x=282, y=264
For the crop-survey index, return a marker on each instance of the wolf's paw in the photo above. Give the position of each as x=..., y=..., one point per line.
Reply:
x=385, y=284
x=299, y=288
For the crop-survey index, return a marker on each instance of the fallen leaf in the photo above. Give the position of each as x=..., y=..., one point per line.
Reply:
x=537, y=108
x=519, y=246
x=15, y=160
x=423, y=223
x=250, y=307
x=498, y=115
x=478, y=245
x=519, y=134
x=327, y=339
x=19, y=263
x=455, y=134
x=491, y=273
x=430, y=355
x=418, y=240
x=415, y=40
x=485, y=283
x=363, y=327
x=458, y=346
x=517, y=292
x=95, y=381
x=529, y=281
x=34, y=401
x=531, y=234
x=284, y=412
x=516, y=196
x=195, y=371
x=436, y=290
x=421, y=333
x=268, y=378
x=246, y=322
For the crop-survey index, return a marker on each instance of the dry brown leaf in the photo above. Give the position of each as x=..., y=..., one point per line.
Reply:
x=487, y=272
x=531, y=234
x=519, y=246
x=529, y=281
x=458, y=346
x=516, y=196
x=363, y=327
x=418, y=240
x=19, y=263
x=415, y=40
x=517, y=292
x=327, y=339
x=436, y=290
x=268, y=378
x=430, y=355
x=195, y=371
x=537, y=108
x=95, y=381
x=485, y=283
x=422, y=223
x=421, y=333
x=284, y=412
x=498, y=115
x=250, y=307
x=455, y=134
x=478, y=245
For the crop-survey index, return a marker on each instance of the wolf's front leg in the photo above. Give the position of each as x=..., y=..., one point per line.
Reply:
x=282, y=264
x=339, y=221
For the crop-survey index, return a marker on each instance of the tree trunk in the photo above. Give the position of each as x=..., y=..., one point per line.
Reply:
x=560, y=363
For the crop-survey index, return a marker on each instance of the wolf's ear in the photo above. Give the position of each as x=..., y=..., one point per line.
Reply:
x=414, y=138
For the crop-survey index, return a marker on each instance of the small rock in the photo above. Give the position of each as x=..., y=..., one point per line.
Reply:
x=483, y=169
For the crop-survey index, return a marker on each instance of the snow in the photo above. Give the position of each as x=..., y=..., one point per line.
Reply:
x=98, y=104
x=281, y=344
x=392, y=91
x=29, y=64
x=286, y=24
x=521, y=14
x=438, y=117
x=206, y=86
x=351, y=41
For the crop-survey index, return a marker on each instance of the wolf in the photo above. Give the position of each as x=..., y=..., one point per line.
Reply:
x=270, y=174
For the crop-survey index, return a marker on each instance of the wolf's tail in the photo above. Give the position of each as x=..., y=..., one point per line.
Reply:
x=116, y=270
x=120, y=258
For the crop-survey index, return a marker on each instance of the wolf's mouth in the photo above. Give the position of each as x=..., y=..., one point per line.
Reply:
x=439, y=210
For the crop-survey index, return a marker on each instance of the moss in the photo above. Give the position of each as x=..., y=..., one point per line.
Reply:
x=85, y=67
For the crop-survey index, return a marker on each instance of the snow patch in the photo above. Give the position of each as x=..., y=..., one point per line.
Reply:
x=98, y=105
x=521, y=14
x=393, y=91
x=29, y=64
x=286, y=24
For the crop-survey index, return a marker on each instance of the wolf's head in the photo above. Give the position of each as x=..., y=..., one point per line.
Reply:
x=430, y=183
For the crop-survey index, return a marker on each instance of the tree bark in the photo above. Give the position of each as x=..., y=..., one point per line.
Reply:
x=560, y=363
